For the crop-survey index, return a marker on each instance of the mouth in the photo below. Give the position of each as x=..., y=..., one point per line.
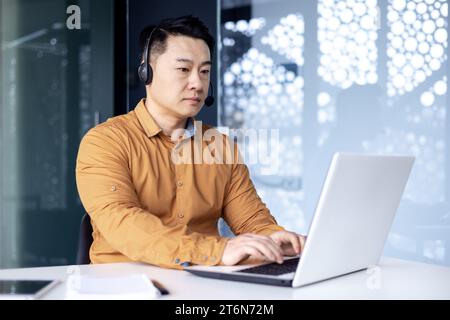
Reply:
x=193, y=102
x=194, y=99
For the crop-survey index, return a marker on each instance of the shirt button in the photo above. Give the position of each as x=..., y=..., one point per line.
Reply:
x=177, y=260
x=205, y=258
x=113, y=188
x=181, y=215
x=213, y=258
x=180, y=183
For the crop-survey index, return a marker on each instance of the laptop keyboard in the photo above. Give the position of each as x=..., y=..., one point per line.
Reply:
x=274, y=269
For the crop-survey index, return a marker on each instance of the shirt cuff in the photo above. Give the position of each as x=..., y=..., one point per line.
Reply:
x=267, y=231
x=211, y=257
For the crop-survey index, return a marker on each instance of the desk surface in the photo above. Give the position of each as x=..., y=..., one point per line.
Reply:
x=391, y=279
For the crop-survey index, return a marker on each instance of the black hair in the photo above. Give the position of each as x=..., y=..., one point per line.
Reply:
x=186, y=25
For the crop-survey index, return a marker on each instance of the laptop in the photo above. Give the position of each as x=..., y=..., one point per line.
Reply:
x=354, y=214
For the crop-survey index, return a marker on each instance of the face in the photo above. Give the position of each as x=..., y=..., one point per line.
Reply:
x=181, y=77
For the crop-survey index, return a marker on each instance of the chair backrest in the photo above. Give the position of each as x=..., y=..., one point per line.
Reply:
x=85, y=240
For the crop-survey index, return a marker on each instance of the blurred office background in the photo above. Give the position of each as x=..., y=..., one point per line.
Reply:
x=363, y=76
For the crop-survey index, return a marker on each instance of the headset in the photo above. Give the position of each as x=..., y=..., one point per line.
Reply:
x=145, y=70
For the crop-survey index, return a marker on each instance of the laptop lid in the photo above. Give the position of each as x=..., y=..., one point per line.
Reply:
x=354, y=214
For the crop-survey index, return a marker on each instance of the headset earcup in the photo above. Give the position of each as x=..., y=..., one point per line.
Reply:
x=145, y=72
x=142, y=72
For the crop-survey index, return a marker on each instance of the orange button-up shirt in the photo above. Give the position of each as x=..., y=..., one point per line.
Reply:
x=146, y=207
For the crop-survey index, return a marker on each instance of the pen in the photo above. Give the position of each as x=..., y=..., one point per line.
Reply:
x=160, y=287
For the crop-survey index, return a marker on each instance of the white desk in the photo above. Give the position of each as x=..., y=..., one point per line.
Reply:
x=394, y=279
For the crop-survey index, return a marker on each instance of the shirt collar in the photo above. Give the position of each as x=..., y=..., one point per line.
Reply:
x=150, y=126
x=191, y=128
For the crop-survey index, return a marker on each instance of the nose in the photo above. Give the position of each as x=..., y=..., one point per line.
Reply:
x=195, y=83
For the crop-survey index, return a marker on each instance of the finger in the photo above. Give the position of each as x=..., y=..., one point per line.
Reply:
x=254, y=253
x=267, y=239
x=288, y=250
x=295, y=241
x=274, y=246
x=291, y=240
x=266, y=251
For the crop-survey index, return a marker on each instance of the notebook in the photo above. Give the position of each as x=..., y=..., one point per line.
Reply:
x=128, y=287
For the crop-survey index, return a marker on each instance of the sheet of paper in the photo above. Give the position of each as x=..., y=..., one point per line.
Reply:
x=134, y=286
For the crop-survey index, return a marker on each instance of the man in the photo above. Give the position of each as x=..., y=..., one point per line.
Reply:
x=146, y=207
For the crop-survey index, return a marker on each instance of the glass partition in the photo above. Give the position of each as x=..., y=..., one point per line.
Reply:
x=56, y=83
x=358, y=76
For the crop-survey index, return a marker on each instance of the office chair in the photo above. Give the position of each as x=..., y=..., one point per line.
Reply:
x=85, y=240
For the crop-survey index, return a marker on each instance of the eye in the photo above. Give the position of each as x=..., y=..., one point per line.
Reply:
x=205, y=71
x=184, y=70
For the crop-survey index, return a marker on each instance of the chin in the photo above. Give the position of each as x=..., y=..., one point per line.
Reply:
x=190, y=111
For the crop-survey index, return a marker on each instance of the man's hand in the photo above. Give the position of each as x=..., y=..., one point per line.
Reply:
x=290, y=243
x=253, y=246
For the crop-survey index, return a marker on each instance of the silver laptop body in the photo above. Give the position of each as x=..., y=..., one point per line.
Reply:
x=355, y=211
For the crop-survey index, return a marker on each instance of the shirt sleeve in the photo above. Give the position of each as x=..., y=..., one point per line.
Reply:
x=106, y=190
x=244, y=211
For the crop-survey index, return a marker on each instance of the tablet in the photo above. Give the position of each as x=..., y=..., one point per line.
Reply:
x=25, y=289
